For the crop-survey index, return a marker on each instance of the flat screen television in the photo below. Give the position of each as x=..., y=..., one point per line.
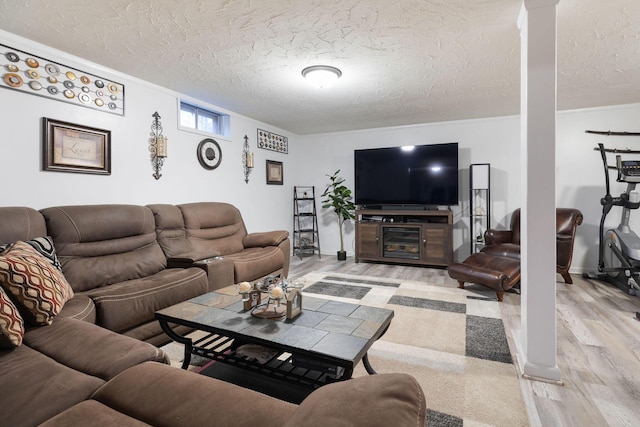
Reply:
x=419, y=175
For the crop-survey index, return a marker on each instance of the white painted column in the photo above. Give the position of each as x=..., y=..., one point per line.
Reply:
x=537, y=353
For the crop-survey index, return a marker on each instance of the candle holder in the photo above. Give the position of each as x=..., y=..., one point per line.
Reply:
x=276, y=289
x=244, y=289
x=250, y=294
x=247, y=159
x=157, y=146
x=276, y=293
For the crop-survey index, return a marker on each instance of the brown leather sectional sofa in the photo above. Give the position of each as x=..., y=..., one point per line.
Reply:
x=91, y=366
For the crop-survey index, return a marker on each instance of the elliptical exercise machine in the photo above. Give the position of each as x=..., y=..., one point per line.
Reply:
x=619, y=248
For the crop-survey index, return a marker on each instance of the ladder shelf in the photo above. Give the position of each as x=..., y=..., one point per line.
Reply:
x=306, y=240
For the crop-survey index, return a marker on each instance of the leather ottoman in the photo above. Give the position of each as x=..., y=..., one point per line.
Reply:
x=496, y=272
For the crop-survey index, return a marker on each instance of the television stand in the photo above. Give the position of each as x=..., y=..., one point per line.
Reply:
x=420, y=237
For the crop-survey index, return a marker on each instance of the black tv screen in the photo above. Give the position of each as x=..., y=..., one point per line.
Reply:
x=412, y=175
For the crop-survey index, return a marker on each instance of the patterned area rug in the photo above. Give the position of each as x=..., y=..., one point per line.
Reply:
x=452, y=340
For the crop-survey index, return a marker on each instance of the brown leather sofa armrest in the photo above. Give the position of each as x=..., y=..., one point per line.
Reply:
x=376, y=400
x=263, y=239
x=493, y=236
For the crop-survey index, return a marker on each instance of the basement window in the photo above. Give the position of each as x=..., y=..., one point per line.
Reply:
x=193, y=117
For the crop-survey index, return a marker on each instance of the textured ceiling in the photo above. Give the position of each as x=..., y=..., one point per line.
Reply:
x=403, y=62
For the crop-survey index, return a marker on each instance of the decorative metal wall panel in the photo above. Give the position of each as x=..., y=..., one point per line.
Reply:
x=273, y=142
x=39, y=76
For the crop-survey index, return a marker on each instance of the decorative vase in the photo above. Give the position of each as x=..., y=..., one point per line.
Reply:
x=342, y=255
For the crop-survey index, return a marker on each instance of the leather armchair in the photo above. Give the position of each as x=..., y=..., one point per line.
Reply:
x=506, y=243
x=497, y=265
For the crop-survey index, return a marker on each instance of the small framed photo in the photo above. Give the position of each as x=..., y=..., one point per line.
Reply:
x=68, y=147
x=274, y=173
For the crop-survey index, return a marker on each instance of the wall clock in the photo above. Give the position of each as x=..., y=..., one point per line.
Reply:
x=209, y=153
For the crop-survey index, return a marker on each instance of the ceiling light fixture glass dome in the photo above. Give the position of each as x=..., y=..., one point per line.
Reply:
x=321, y=75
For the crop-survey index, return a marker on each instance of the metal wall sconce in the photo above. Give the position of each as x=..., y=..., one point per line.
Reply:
x=157, y=146
x=247, y=159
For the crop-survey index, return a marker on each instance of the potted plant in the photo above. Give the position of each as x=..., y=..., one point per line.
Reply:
x=338, y=197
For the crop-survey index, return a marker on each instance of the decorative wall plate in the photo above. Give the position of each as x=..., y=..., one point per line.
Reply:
x=209, y=153
x=13, y=80
x=53, y=70
x=84, y=98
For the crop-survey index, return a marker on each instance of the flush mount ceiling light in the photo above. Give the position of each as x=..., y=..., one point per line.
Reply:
x=321, y=75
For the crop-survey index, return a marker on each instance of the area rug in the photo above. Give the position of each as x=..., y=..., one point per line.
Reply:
x=451, y=340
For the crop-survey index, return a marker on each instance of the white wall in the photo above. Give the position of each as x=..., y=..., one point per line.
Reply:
x=183, y=179
x=579, y=175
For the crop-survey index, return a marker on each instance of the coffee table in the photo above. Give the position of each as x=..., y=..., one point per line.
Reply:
x=323, y=344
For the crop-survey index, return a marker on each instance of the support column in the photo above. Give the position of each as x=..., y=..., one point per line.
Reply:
x=537, y=353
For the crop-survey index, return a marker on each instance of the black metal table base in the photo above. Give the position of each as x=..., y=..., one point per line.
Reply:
x=282, y=366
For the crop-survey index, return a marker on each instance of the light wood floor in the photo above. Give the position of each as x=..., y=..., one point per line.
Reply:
x=598, y=345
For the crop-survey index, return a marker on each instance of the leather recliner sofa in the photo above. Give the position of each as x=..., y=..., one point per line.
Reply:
x=213, y=236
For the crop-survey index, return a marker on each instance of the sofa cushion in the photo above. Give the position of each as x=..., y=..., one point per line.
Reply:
x=214, y=227
x=11, y=323
x=170, y=230
x=39, y=288
x=37, y=387
x=164, y=395
x=20, y=223
x=99, y=245
x=89, y=348
x=128, y=304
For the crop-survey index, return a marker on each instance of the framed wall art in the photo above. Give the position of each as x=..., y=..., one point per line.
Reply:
x=270, y=141
x=68, y=147
x=274, y=173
